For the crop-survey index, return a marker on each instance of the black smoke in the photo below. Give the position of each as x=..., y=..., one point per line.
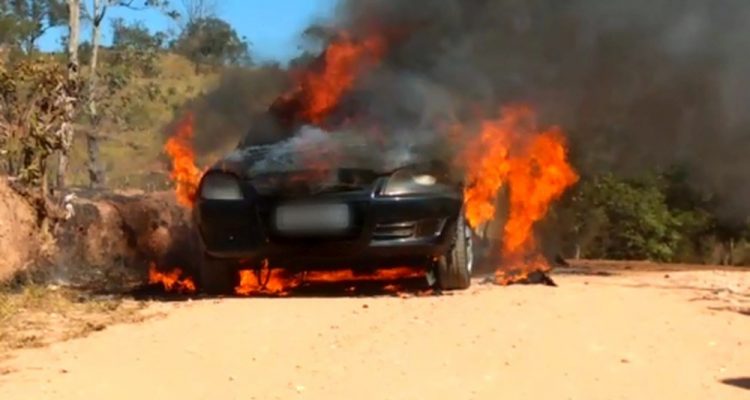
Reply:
x=238, y=102
x=637, y=84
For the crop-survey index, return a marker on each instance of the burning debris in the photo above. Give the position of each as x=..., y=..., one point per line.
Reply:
x=264, y=280
x=171, y=281
x=508, y=276
x=279, y=282
x=267, y=281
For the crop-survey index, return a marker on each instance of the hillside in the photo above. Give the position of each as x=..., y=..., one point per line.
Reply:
x=131, y=151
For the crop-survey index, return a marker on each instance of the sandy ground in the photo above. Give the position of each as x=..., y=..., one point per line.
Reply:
x=644, y=335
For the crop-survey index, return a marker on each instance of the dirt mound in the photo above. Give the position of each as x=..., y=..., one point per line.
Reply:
x=114, y=234
x=110, y=238
x=19, y=241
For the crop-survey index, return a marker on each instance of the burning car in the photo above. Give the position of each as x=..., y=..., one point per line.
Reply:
x=317, y=202
x=336, y=176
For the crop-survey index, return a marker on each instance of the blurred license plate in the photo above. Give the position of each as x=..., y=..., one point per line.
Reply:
x=312, y=218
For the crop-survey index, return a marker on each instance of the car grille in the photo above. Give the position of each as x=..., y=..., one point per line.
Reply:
x=410, y=229
x=400, y=230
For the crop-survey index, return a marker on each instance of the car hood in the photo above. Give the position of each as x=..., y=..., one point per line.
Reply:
x=317, y=150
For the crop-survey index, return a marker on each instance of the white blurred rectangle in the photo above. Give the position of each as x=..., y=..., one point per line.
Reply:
x=312, y=218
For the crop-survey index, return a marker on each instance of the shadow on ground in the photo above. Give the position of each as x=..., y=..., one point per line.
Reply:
x=742, y=383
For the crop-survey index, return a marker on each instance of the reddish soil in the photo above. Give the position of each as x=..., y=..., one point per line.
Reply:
x=629, y=335
x=19, y=241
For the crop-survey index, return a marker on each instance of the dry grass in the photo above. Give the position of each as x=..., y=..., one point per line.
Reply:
x=36, y=315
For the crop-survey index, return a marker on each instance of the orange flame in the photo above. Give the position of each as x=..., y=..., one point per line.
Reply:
x=319, y=90
x=185, y=174
x=533, y=163
x=487, y=169
x=379, y=275
x=344, y=59
x=266, y=281
x=278, y=282
x=536, y=179
x=171, y=281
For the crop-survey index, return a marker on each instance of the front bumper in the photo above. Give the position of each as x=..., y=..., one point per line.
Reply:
x=385, y=231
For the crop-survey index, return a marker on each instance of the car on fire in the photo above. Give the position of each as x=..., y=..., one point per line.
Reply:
x=336, y=209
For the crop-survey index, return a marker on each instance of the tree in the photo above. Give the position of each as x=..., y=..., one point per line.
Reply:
x=135, y=36
x=10, y=27
x=122, y=36
x=35, y=17
x=195, y=10
x=212, y=41
x=66, y=128
x=96, y=172
x=36, y=96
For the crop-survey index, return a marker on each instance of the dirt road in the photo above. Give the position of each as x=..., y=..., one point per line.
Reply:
x=635, y=336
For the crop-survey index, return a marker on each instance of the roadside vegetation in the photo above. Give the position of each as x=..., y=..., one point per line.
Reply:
x=658, y=216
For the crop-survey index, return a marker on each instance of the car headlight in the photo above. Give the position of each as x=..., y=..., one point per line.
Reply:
x=407, y=181
x=221, y=186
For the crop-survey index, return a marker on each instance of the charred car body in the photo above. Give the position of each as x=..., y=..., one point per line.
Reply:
x=319, y=202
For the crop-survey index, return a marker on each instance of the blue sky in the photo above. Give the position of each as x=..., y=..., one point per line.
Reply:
x=272, y=27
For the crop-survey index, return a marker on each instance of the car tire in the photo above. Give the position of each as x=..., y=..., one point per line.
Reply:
x=453, y=269
x=216, y=276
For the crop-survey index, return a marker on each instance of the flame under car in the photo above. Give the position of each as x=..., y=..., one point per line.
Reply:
x=347, y=216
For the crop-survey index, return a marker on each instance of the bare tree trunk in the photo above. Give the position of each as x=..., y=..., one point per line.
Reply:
x=66, y=132
x=96, y=173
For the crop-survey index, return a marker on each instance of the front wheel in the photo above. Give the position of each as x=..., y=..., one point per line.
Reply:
x=453, y=269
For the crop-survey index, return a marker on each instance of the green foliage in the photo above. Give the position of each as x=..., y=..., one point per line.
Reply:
x=124, y=72
x=660, y=216
x=10, y=30
x=131, y=61
x=212, y=42
x=135, y=36
x=630, y=217
x=133, y=109
x=23, y=22
x=124, y=85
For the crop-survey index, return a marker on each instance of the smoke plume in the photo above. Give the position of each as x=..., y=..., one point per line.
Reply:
x=238, y=103
x=636, y=83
